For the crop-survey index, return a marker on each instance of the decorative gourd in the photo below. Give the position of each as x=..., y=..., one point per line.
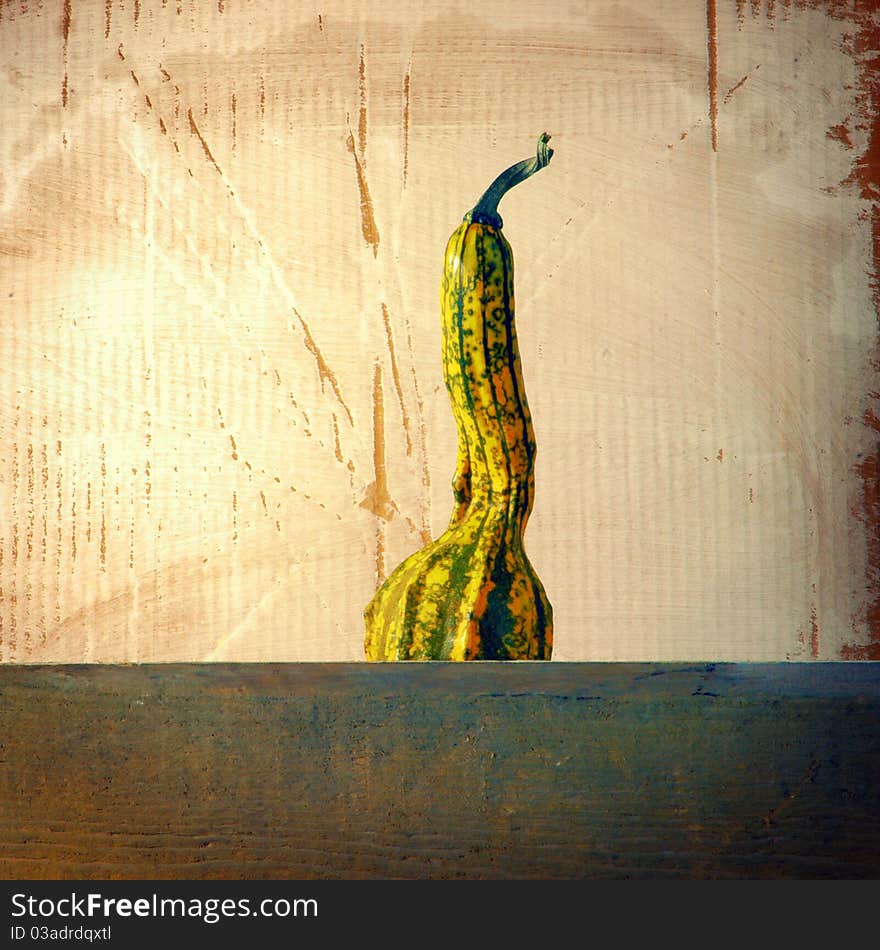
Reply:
x=472, y=594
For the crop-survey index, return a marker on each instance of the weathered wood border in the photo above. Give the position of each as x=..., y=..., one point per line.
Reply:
x=485, y=770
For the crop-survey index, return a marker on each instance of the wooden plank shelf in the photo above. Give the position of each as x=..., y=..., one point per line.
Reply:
x=438, y=770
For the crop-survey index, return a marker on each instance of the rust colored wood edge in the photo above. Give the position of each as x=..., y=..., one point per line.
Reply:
x=440, y=770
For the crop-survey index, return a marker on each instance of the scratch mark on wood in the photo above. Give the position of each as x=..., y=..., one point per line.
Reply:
x=234, y=109
x=28, y=616
x=712, y=25
x=44, y=484
x=136, y=12
x=231, y=439
x=132, y=533
x=337, y=449
x=73, y=516
x=108, y=11
x=774, y=813
x=148, y=440
x=65, y=31
x=13, y=592
x=29, y=534
x=163, y=127
x=309, y=497
x=368, y=222
x=13, y=618
x=407, y=80
x=65, y=20
x=729, y=94
x=362, y=113
x=395, y=374
x=247, y=465
x=103, y=544
x=378, y=501
x=740, y=13
x=814, y=629
x=302, y=411
x=195, y=131
x=324, y=371
x=358, y=150
x=59, y=530
x=321, y=22
x=423, y=439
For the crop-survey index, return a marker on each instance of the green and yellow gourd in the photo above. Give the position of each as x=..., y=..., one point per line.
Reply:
x=473, y=594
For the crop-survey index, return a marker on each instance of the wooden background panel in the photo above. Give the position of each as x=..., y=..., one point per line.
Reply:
x=221, y=229
x=489, y=770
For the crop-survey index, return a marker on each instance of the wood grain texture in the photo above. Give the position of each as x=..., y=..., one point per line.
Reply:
x=221, y=237
x=437, y=770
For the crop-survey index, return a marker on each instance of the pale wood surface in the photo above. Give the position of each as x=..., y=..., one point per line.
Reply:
x=222, y=418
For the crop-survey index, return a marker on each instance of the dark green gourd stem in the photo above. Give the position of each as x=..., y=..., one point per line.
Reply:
x=485, y=211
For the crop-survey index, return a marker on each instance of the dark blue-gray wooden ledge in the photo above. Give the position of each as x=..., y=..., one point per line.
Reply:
x=440, y=770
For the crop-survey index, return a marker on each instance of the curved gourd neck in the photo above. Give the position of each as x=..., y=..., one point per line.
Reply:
x=485, y=211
